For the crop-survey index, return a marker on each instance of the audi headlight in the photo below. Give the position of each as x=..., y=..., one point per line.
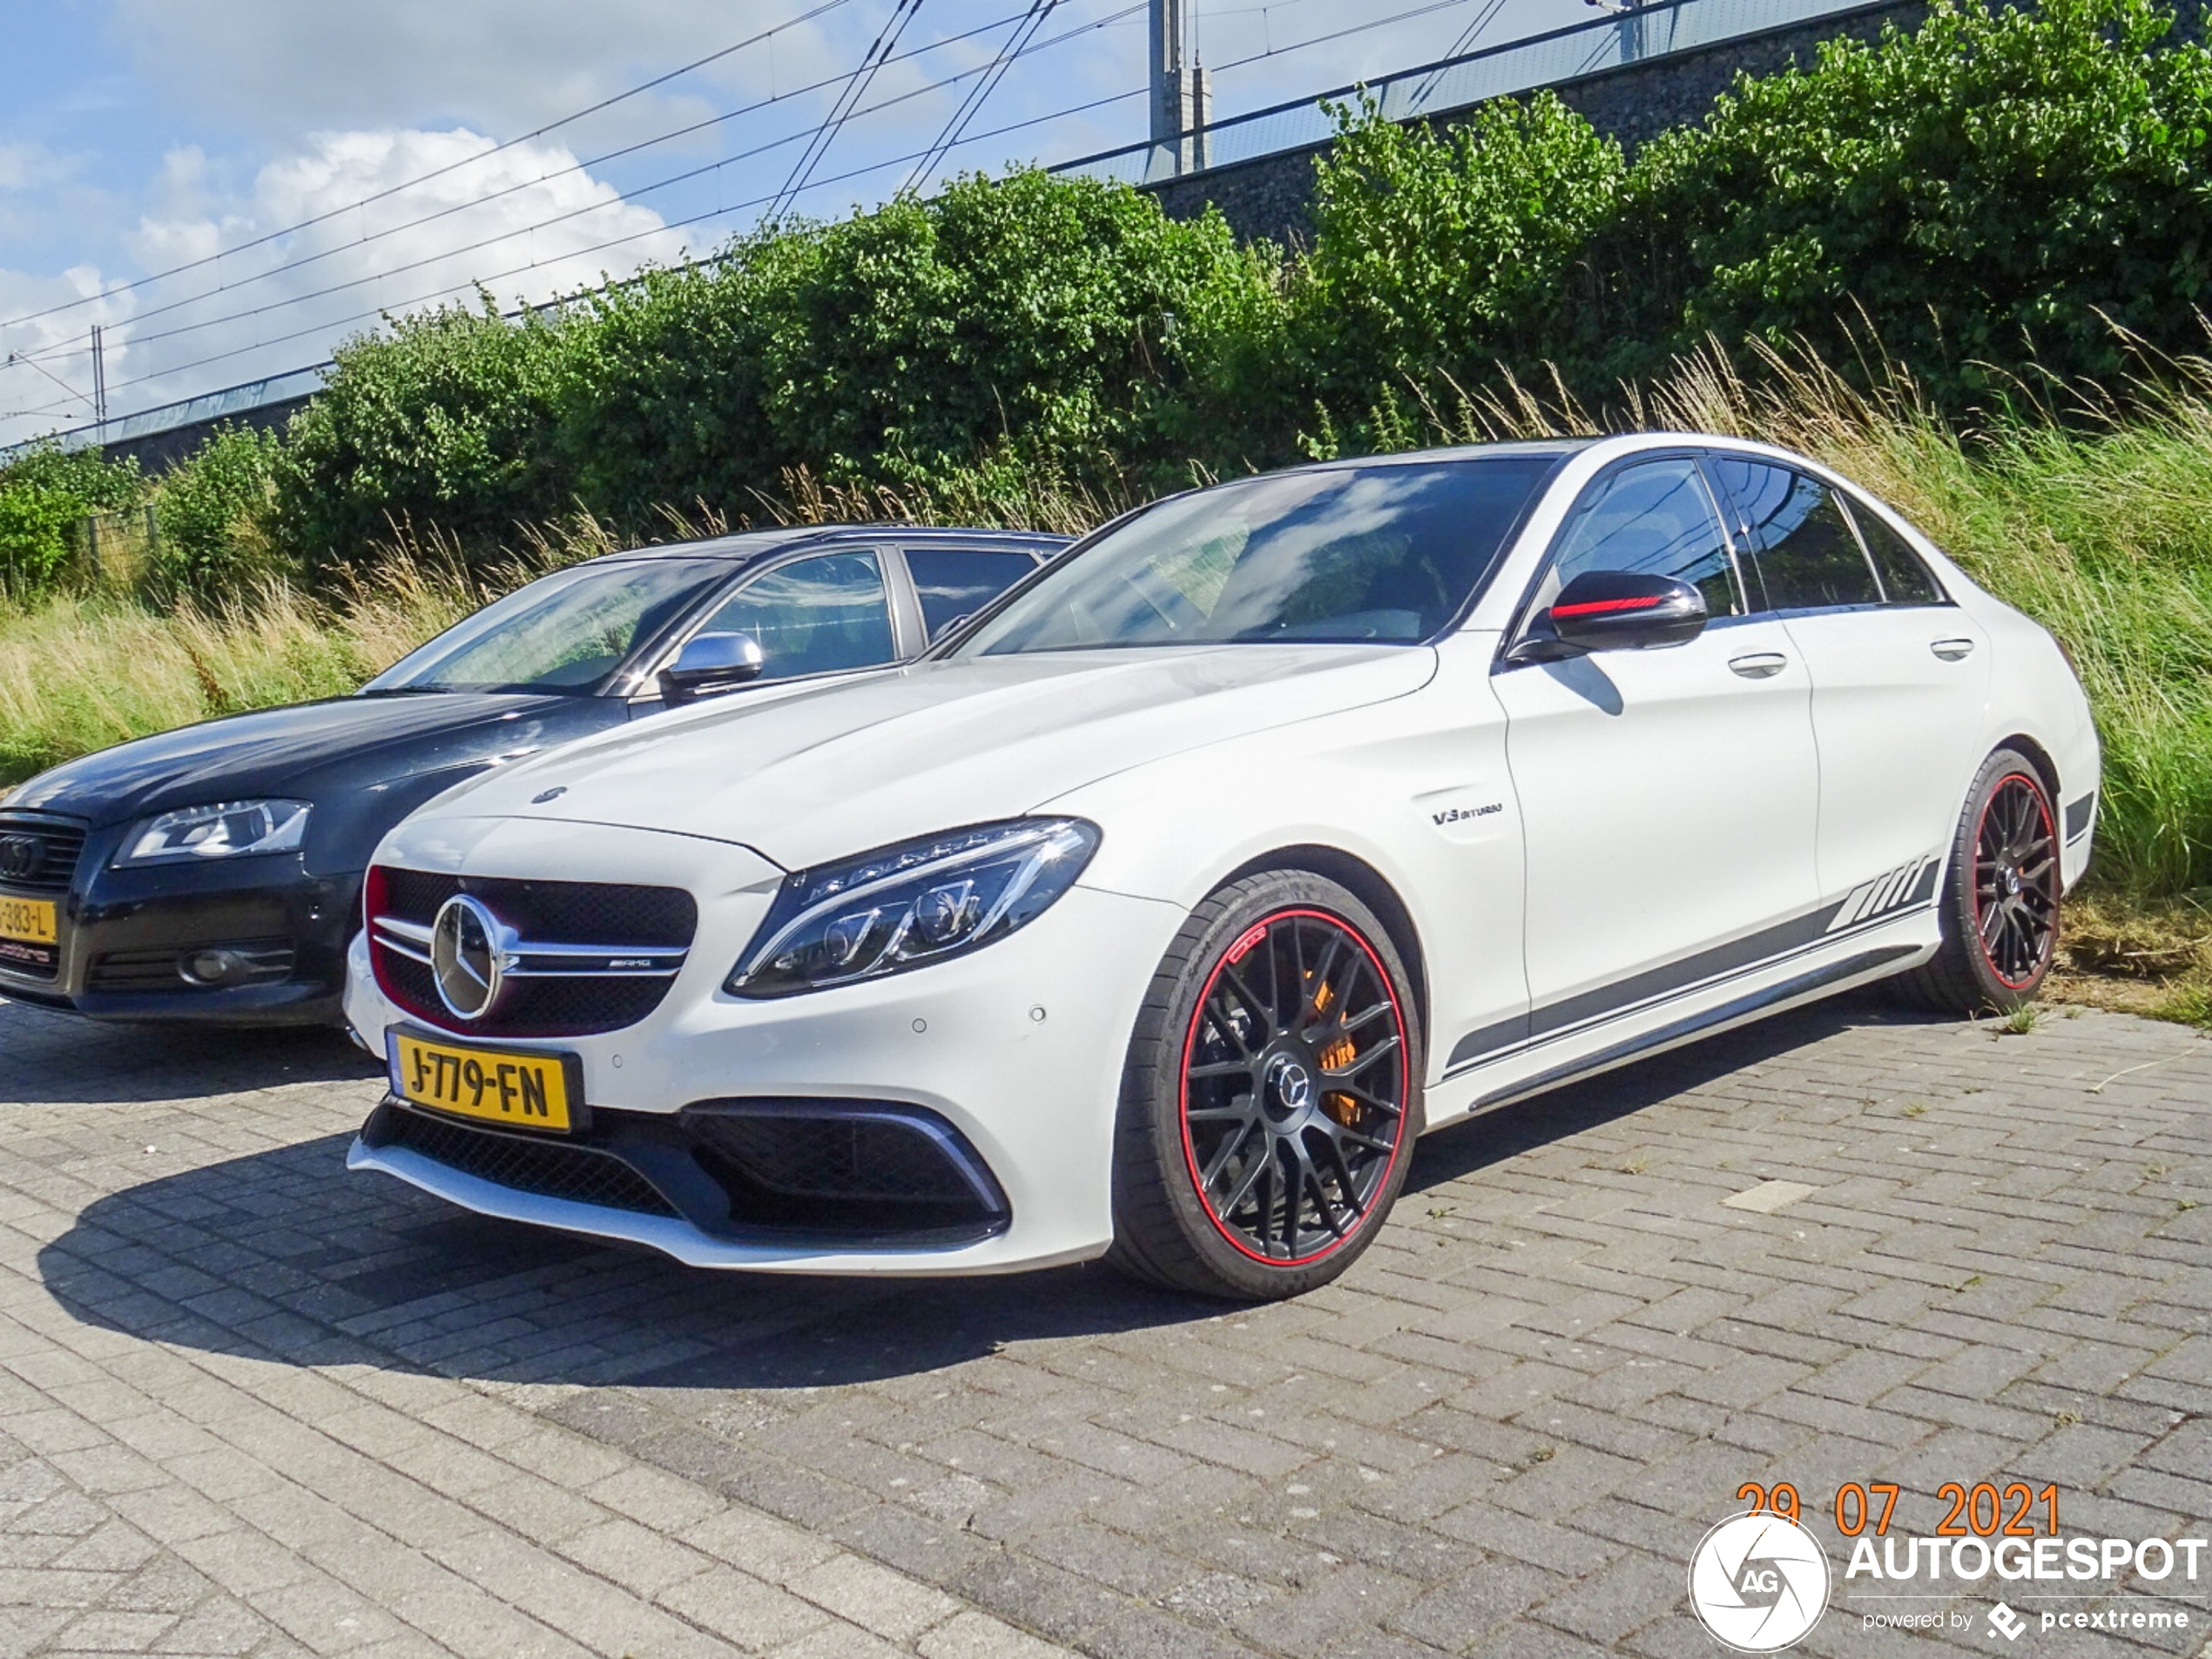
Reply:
x=910, y=905
x=227, y=829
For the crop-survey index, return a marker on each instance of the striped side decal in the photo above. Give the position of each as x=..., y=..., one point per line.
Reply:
x=1900, y=889
x=1908, y=887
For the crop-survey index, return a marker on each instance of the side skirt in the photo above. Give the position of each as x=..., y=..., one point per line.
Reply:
x=1802, y=988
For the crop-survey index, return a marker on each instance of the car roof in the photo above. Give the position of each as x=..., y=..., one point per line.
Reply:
x=747, y=545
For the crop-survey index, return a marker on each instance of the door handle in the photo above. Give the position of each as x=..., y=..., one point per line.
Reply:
x=1760, y=665
x=1952, y=649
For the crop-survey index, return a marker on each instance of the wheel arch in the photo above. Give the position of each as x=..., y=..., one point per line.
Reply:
x=2039, y=757
x=1372, y=888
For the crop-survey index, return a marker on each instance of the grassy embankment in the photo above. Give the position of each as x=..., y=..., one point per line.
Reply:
x=2102, y=529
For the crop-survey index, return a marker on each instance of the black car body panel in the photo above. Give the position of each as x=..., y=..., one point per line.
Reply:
x=129, y=934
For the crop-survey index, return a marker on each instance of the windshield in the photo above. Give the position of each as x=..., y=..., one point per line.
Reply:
x=1387, y=552
x=565, y=633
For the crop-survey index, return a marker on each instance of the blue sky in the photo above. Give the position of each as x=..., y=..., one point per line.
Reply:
x=139, y=135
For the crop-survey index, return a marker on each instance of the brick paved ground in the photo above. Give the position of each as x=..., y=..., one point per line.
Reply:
x=250, y=1404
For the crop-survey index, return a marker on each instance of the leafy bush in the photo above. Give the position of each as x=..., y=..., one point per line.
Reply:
x=212, y=510
x=1440, y=255
x=1989, y=191
x=46, y=494
x=447, y=417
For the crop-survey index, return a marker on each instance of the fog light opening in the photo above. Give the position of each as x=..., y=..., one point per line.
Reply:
x=213, y=968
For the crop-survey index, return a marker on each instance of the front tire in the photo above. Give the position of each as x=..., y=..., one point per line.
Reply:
x=1271, y=1094
x=2001, y=890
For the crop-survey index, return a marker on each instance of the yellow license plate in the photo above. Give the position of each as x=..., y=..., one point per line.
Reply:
x=33, y=921
x=513, y=1087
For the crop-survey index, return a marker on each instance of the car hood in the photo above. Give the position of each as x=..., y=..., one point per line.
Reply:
x=302, y=750
x=818, y=774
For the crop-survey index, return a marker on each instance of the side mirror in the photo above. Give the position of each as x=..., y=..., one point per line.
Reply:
x=1623, y=610
x=711, y=663
x=945, y=628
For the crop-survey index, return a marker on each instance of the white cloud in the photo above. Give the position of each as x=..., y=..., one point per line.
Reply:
x=280, y=66
x=529, y=225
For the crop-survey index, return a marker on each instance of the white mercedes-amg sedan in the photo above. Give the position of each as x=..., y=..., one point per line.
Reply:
x=1157, y=909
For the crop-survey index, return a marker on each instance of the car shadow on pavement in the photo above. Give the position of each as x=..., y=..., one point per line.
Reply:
x=1461, y=1150
x=282, y=1255
x=51, y=1058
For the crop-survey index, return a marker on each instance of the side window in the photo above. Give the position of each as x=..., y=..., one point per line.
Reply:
x=953, y=581
x=813, y=615
x=1656, y=518
x=1808, y=555
x=1905, y=580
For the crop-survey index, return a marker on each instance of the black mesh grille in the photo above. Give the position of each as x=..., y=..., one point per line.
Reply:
x=534, y=1008
x=842, y=1157
x=46, y=866
x=135, y=970
x=542, y=913
x=551, y=1168
x=567, y=913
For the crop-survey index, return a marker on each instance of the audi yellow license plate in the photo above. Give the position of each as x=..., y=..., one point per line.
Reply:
x=33, y=921
x=517, y=1088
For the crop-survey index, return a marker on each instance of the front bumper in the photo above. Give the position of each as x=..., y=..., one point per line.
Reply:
x=1017, y=1050
x=125, y=935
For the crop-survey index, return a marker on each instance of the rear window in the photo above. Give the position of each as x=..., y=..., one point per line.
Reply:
x=1905, y=579
x=1809, y=556
x=1387, y=553
x=953, y=582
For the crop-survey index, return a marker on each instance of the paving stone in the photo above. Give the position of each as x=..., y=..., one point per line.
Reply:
x=246, y=1398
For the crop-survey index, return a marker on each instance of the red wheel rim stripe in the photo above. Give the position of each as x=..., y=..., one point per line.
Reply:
x=1981, y=822
x=1245, y=943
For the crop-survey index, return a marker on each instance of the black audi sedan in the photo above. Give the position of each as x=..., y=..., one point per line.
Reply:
x=213, y=873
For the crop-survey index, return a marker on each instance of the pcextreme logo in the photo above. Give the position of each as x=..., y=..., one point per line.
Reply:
x=1758, y=1582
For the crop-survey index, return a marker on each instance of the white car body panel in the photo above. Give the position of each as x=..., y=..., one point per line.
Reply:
x=1596, y=859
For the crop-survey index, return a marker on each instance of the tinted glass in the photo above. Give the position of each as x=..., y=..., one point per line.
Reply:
x=1808, y=555
x=1905, y=580
x=1387, y=552
x=1654, y=519
x=813, y=615
x=564, y=633
x=954, y=580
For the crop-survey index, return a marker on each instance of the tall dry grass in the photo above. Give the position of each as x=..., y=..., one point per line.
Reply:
x=2099, y=525
x=2095, y=519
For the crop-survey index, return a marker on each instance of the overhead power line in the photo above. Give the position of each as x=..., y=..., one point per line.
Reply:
x=569, y=119
x=978, y=95
x=584, y=167
x=778, y=200
x=856, y=89
x=451, y=288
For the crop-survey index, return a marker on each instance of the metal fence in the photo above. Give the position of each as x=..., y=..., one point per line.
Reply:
x=1657, y=30
x=191, y=411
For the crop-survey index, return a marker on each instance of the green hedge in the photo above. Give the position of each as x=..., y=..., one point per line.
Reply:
x=1997, y=200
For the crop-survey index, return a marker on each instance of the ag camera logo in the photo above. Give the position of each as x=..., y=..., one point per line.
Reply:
x=1758, y=1582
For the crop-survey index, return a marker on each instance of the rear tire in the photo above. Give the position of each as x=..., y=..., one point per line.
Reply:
x=1271, y=1094
x=1999, y=908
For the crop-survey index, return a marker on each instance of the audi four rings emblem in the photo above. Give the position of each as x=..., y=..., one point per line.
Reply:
x=20, y=856
x=467, y=956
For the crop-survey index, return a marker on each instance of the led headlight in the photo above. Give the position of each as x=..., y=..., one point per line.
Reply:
x=909, y=905
x=227, y=829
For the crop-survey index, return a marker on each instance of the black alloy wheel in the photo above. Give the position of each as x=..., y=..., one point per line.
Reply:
x=2016, y=881
x=2002, y=892
x=1272, y=1094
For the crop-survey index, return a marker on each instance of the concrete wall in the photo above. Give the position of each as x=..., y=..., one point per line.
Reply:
x=1270, y=196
